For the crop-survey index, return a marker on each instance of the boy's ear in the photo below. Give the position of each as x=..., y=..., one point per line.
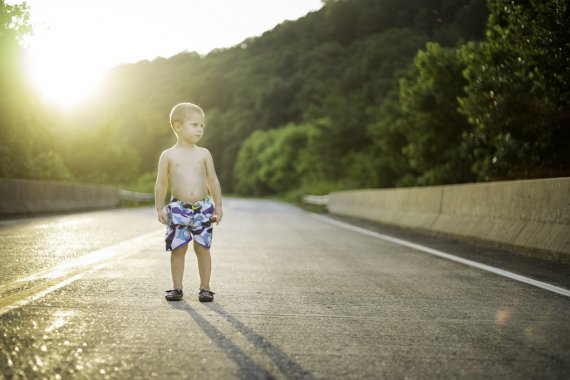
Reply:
x=177, y=125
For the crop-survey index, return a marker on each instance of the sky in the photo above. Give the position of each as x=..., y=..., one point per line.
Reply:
x=76, y=41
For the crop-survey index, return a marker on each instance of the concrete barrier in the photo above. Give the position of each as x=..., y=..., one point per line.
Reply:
x=528, y=216
x=127, y=195
x=21, y=197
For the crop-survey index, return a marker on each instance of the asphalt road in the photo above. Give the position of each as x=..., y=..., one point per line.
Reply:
x=81, y=296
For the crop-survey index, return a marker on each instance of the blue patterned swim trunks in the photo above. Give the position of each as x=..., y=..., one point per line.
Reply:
x=187, y=220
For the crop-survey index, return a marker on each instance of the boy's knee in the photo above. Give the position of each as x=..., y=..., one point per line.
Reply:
x=180, y=250
x=201, y=250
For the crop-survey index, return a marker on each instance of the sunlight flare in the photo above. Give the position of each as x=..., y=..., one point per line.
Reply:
x=63, y=81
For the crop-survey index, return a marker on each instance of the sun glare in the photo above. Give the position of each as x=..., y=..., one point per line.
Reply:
x=74, y=43
x=64, y=63
x=63, y=82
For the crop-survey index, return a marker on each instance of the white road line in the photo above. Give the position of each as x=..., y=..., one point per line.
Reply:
x=69, y=272
x=435, y=252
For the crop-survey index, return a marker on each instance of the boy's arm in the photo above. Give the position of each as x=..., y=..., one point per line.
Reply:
x=214, y=187
x=161, y=187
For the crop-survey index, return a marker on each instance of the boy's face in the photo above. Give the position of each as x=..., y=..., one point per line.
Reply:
x=192, y=128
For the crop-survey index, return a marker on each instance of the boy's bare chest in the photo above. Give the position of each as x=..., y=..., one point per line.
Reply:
x=188, y=164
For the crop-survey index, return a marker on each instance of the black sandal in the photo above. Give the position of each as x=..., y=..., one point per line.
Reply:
x=206, y=295
x=174, y=295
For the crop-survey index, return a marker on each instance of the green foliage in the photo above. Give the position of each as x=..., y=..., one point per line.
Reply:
x=13, y=27
x=13, y=99
x=49, y=166
x=434, y=129
x=389, y=140
x=27, y=133
x=101, y=154
x=517, y=96
x=143, y=184
x=248, y=164
x=270, y=161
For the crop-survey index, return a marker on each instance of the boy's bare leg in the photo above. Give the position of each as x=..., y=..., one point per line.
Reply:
x=177, y=265
x=204, y=265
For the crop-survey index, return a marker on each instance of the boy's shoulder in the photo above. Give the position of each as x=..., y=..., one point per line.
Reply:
x=167, y=152
x=203, y=150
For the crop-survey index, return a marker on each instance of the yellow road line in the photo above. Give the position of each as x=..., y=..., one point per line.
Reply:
x=68, y=272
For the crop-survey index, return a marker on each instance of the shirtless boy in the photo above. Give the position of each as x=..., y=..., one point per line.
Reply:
x=196, y=202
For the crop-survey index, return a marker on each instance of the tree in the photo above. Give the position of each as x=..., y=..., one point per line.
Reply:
x=517, y=96
x=434, y=128
x=27, y=139
x=389, y=139
x=101, y=154
x=272, y=161
x=14, y=135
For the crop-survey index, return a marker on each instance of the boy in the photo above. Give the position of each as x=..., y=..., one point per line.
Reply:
x=190, y=170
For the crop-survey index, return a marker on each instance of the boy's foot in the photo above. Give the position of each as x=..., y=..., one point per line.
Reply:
x=205, y=295
x=174, y=295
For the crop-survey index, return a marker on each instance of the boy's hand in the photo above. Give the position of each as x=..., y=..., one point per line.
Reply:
x=162, y=216
x=218, y=215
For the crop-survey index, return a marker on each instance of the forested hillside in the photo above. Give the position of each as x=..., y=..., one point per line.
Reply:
x=326, y=73
x=362, y=93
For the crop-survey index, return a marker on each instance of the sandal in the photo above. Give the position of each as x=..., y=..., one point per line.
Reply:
x=206, y=295
x=174, y=295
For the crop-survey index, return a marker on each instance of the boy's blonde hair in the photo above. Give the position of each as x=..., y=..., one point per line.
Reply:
x=182, y=111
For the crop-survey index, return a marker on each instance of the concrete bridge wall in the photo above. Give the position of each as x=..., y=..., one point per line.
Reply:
x=30, y=197
x=528, y=216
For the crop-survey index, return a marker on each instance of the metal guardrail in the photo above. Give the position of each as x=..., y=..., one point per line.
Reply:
x=127, y=195
x=321, y=200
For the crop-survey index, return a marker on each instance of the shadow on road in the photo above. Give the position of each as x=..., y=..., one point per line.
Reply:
x=248, y=368
x=287, y=366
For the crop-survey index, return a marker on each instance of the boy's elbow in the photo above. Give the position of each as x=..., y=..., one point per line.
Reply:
x=214, y=185
x=160, y=185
